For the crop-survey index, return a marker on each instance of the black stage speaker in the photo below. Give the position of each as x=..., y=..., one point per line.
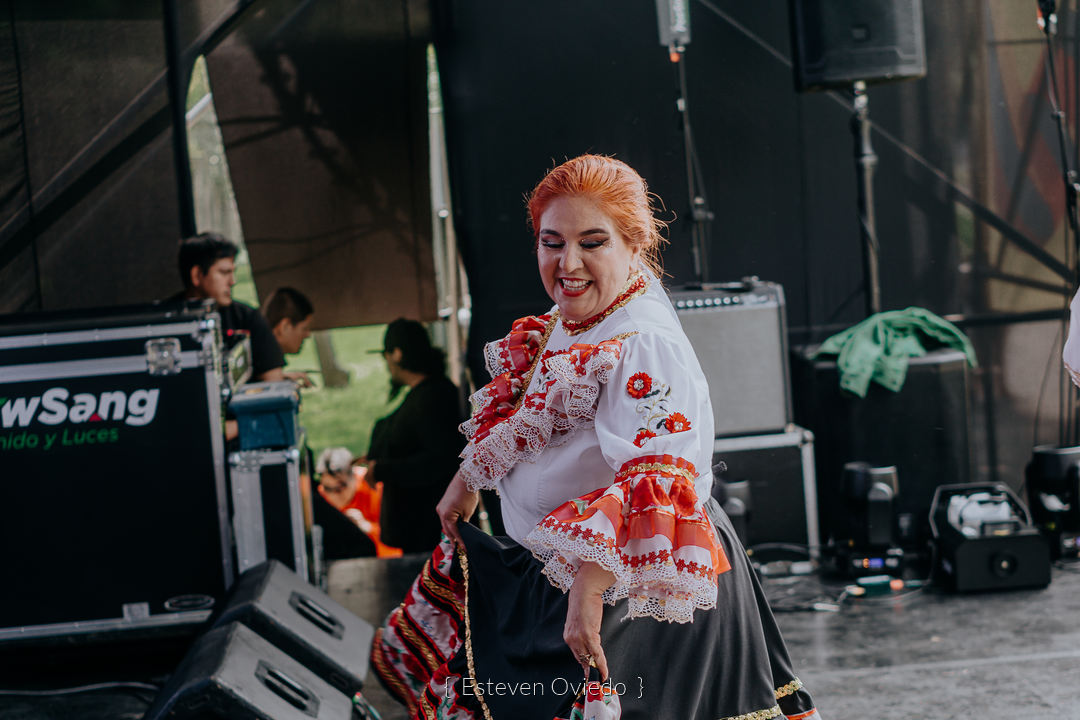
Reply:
x=922, y=430
x=739, y=332
x=304, y=622
x=233, y=674
x=836, y=42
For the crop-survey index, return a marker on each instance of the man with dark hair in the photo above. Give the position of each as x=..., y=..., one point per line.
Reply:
x=414, y=450
x=289, y=314
x=207, y=264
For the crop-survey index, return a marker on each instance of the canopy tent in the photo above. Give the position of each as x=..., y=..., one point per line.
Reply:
x=332, y=185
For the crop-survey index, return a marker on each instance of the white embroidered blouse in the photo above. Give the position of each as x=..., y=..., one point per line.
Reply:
x=606, y=456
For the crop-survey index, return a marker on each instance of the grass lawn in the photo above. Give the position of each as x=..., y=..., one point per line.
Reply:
x=345, y=416
x=336, y=416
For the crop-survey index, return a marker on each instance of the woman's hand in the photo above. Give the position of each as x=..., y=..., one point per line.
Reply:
x=582, y=630
x=458, y=503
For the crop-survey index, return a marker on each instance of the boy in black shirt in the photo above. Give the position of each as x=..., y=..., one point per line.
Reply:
x=207, y=264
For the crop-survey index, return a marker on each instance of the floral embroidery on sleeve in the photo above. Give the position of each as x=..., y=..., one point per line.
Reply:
x=639, y=385
x=653, y=408
x=676, y=422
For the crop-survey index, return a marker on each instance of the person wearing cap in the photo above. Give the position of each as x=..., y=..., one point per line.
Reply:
x=414, y=450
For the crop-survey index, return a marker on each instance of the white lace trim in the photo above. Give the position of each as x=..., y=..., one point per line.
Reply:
x=570, y=404
x=492, y=357
x=662, y=591
x=481, y=399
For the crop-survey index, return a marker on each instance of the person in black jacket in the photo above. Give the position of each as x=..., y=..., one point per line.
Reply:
x=414, y=450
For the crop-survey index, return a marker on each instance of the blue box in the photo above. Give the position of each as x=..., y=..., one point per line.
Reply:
x=266, y=414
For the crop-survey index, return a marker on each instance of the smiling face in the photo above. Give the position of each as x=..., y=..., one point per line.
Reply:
x=584, y=260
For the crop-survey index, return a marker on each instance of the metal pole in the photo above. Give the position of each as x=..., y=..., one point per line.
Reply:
x=177, y=78
x=865, y=162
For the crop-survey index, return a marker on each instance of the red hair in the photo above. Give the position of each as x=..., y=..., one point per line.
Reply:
x=617, y=189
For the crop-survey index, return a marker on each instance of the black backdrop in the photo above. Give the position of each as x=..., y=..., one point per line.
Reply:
x=969, y=195
x=968, y=187
x=529, y=84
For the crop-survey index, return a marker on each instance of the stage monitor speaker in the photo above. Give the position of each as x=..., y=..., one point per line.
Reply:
x=304, y=622
x=922, y=430
x=773, y=476
x=233, y=674
x=836, y=42
x=739, y=332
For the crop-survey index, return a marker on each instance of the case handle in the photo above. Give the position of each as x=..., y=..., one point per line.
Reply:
x=287, y=689
x=317, y=615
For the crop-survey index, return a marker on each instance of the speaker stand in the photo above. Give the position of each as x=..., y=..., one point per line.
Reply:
x=865, y=162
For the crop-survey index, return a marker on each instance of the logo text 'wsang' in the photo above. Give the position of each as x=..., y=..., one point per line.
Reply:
x=57, y=405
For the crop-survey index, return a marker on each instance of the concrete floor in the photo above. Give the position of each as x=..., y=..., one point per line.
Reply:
x=926, y=655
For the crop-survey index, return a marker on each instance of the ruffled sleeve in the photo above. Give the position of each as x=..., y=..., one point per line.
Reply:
x=648, y=527
x=1071, y=353
x=493, y=446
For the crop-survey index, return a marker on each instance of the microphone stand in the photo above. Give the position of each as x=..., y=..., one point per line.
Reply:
x=699, y=207
x=865, y=162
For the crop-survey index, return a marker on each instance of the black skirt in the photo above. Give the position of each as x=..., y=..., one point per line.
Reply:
x=508, y=659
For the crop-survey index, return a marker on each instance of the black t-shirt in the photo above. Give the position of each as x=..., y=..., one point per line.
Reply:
x=265, y=352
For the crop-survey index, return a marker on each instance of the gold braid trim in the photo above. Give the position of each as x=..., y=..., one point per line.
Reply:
x=655, y=467
x=766, y=714
x=410, y=636
x=468, y=631
x=389, y=676
x=622, y=336
x=432, y=586
x=525, y=382
x=790, y=689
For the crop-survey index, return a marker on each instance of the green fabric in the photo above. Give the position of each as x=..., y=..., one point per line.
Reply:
x=878, y=348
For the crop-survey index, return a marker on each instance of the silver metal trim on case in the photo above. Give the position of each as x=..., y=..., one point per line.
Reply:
x=790, y=436
x=217, y=444
x=250, y=536
x=188, y=327
x=163, y=356
x=92, y=626
x=810, y=495
x=251, y=542
x=126, y=365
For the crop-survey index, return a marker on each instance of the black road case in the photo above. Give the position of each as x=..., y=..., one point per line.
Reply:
x=112, y=473
x=272, y=510
x=774, y=476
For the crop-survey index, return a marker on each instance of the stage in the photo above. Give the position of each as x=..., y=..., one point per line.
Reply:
x=916, y=654
x=922, y=654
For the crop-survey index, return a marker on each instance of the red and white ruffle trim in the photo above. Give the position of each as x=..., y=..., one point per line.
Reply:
x=649, y=529
x=568, y=388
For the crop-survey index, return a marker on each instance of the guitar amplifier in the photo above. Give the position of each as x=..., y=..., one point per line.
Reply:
x=739, y=332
